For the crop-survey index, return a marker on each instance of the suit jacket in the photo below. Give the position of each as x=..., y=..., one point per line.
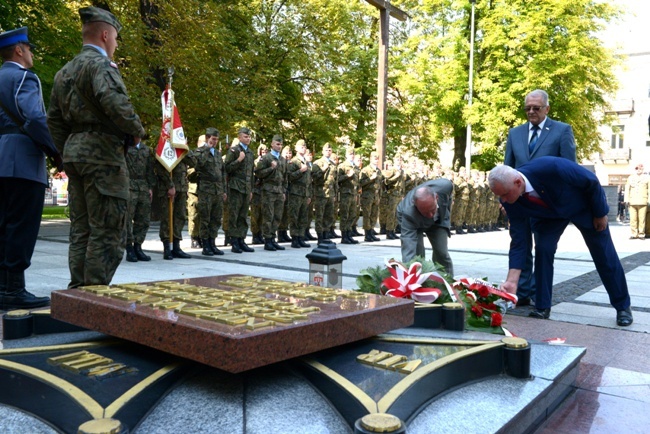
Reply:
x=411, y=220
x=555, y=140
x=571, y=192
x=22, y=157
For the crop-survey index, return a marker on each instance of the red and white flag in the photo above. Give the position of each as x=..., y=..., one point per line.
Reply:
x=172, y=145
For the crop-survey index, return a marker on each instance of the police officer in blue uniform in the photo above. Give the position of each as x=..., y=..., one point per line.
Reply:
x=24, y=142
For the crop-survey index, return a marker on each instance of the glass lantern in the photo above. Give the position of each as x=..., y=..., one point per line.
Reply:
x=326, y=266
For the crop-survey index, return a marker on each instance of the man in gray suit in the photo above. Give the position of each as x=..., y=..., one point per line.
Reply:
x=541, y=136
x=426, y=209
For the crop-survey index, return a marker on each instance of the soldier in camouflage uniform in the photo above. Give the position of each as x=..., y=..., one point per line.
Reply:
x=371, y=182
x=461, y=197
x=323, y=173
x=473, y=204
x=239, y=167
x=358, y=165
x=310, y=209
x=334, y=159
x=211, y=188
x=283, y=227
x=193, y=219
x=384, y=199
x=394, y=181
x=256, y=202
x=139, y=162
x=89, y=115
x=299, y=198
x=272, y=171
x=172, y=187
x=348, y=181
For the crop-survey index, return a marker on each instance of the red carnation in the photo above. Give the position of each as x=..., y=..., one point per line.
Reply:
x=496, y=320
x=483, y=291
x=477, y=310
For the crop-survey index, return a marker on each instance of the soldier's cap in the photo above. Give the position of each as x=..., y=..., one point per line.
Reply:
x=261, y=148
x=300, y=142
x=374, y=154
x=213, y=132
x=94, y=14
x=244, y=130
x=13, y=37
x=349, y=150
x=327, y=146
x=277, y=138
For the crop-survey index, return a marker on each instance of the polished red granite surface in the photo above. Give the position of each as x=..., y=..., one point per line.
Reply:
x=336, y=318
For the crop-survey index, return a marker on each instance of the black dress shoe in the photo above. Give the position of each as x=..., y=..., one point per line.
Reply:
x=624, y=317
x=524, y=301
x=540, y=313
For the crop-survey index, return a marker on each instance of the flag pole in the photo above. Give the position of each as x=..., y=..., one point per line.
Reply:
x=170, y=101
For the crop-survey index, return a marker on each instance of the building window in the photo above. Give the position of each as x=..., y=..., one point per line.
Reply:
x=618, y=134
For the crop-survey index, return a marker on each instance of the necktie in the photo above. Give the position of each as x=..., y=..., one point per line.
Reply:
x=536, y=200
x=533, y=139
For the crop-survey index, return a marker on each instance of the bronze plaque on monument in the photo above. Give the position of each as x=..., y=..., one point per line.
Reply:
x=232, y=322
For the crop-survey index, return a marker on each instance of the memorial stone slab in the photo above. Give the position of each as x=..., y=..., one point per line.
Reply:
x=232, y=322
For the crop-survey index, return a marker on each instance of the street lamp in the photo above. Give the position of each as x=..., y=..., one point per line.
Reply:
x=468, y=146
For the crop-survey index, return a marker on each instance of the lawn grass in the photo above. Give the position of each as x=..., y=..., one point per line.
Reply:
x=54, y=212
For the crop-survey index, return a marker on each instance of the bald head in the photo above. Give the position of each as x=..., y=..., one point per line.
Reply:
x=426, y=202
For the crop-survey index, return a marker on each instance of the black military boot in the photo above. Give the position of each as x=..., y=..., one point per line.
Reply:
x=355, y=231
x=167, y=252
x=398, y=229
x=460, y=231
x=308, y=236
x=332, y=234
x=294, y=243
x=258, y=239
x=373, y=234
x=471, y=230
x=213, y=246
x=345, y=238
x=302, y=242
x=351, y=237
x=382, y=230
x=137, y=248
x=130, y=254
x=15, y=296
x=234, y=242
x=244, y=246
x=283, y=237
x=196, y=243
x=268, y=245
x=368, y=236
x=177, y=252
x=207, y=248
x=226, y=239
x=276, y=245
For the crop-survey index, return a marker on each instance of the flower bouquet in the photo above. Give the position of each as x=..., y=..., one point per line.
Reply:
x=485, y=304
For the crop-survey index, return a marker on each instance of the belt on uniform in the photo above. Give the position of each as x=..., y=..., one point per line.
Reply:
x=97, y=128
x=11, y=130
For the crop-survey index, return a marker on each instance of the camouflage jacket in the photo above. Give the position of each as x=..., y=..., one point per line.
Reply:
x=347, y=178
x=139, y=162
x=394, y=182
x=78, y=133
x=210, y=171
x=324, y=178
x=299, y=182
x=240, y=173
x=274, y=179
x=370, y=181
x=177, y=178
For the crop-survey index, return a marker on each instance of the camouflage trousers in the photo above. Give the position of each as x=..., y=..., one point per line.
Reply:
x=284, y=221
x=298, y=210
x=237, y=212
x=98, y=212
x=256, y=213
x=193, y=217
x=324, y=214
x=370, y=209
x=137, y=224
x=210, y=209
x=272, y=209
x=384, y=204
x=348, y=211
x=471, y=213
x=179, y=217
x=391, y=212
x=458, y=212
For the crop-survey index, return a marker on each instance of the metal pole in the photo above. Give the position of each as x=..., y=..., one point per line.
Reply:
x=468, y=146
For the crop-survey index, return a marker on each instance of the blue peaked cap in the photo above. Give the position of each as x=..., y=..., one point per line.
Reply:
x=13, y=37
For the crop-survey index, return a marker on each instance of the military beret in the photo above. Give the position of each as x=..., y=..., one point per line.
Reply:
x=327, y=146
x=374, y=154
x=212, y=132
x=349, y=150
x=94, y=14
x=13, y=37
x=277, y=138
x=300, y=142
x=286, y=149
x=244, y=130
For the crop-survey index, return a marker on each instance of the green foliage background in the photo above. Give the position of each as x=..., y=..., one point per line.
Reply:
x=308, y=68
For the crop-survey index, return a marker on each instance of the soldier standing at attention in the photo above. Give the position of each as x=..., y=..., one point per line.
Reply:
x=323, y=178
x=310, y=209
x=139, y=162
x=89, y=116
x=371, y=182
x=348, y=184
x=383, y=197
x=211, y=187
x=272, y=171
x=239, y=167
x=636, y=196
x=395, y=185
x=172, y=185
x=256, y=202
x=358, y=165
x=24, y=142
x=193, y=219
x=299, y=198
x=283, y=227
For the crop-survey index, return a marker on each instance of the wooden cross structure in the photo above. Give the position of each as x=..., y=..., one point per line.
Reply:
x=386, y=10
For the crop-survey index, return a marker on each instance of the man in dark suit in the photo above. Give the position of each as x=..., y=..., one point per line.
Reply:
x=24, y=142
x=426, y=209
x=541, y=136
x=553, y=192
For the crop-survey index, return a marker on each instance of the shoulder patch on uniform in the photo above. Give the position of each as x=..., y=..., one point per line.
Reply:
x=113, y=64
